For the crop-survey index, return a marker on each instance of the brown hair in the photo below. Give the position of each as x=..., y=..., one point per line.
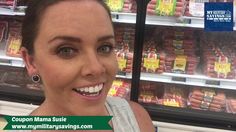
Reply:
x=34, y=12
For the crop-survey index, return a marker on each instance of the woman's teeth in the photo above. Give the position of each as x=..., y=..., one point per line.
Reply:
x=90, y=91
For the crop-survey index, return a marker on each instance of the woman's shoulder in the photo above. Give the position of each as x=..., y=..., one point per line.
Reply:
x=142, y=117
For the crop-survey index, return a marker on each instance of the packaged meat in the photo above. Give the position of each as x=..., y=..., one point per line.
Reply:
x=14, y=40
x=121, y=5
x=124, y=36
x=3, y=30
x=4, y=3
x=120, y=88
x=181, y=64
x=124, y=59
x=153, y=61
x=174, y=95
x=149, y=92
x=207, y=99
x=219, y=58
x=166, y=8
x=231, y=103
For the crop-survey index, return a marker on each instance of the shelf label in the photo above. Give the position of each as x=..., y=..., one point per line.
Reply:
x=179, y=79
x=212, y=82
x=114, y=16
x=218, y=16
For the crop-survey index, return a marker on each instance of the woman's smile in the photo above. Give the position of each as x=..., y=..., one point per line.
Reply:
x=90, y=91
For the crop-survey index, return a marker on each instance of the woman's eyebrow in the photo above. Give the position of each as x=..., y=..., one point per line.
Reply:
x=106, y=37
x=79, y=40
x=66, y=38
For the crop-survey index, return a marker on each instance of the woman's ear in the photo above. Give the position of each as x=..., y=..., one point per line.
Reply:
x=29, y=61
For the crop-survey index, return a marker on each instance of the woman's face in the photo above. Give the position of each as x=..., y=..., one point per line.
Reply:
x=74, y=54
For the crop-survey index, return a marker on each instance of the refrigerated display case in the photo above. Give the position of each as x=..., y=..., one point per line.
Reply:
x=180, y=92
x=187, y=75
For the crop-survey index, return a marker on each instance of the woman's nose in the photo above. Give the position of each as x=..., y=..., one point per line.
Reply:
x=92, y=66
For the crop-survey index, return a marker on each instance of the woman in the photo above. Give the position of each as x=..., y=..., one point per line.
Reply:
x=68, y=45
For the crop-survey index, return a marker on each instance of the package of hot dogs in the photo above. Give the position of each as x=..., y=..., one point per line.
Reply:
x=174, y=95
x=120, y=88
x=179, y=41
x=231, y=104
x=153, y=61
x=166, y=7
x=219, y=57
x=14, y=39
x=124, y=36
x=181, y=64
x=124, y=58
x=121, y=5
x=3, y=30
x=207, y=99
x=4, y=3
x=148, y=93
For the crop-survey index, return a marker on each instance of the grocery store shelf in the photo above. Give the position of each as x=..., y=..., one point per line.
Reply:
x=123, y=17
x=194, y=80
x=174, y=127
x=192, y=22
x=127, y=76
x=7, y=60
x=192, y=117
x=10, y=12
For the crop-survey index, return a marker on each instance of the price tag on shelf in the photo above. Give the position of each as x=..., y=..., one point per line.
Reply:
x=178, y=79
x=114, y=16
x=212, y=82
x=17, y=63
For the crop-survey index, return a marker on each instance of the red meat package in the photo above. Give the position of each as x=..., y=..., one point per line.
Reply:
x=6, y=3
x=181, y=64
x=219, y=54
x=166, y=7
x=207, y=99
x=174, y=95
x=120, y=88
x=217, y=64
x=231, y=104
x=124, y=58
x=121, y=5
x=124, y=36
x=14, y=40
x=179, y=41
x=153, y=61
x=148, y=93
x=3, y=28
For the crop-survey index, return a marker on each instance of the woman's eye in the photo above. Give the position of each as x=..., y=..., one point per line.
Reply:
x=105, y=49
x=66, y=52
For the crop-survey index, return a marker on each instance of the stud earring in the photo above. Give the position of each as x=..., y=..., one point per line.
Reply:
x=36, y=78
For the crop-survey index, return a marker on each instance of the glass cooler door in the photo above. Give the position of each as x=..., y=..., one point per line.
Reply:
x=188, y=76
